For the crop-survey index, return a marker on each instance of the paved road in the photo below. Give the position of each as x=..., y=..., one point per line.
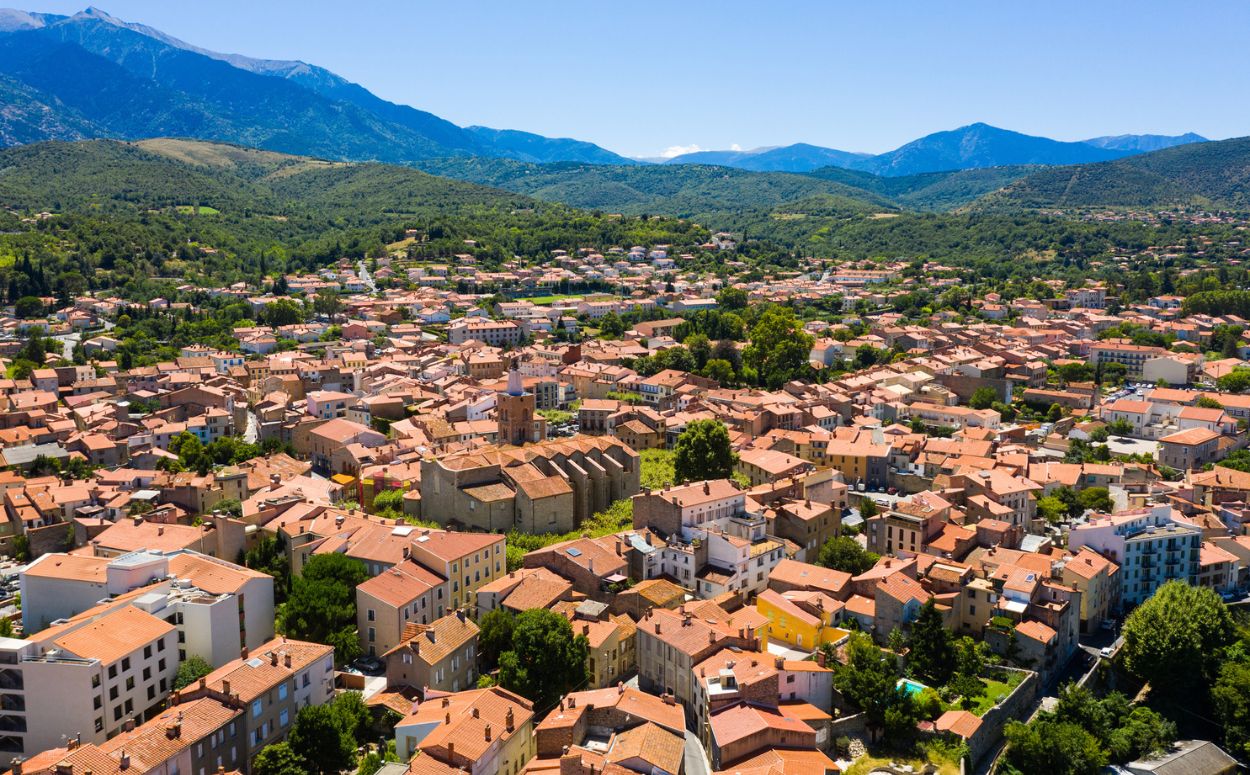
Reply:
x=363, y=271
x=696, y=762
x=253, y=429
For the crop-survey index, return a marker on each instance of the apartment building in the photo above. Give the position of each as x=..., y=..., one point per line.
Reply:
x=216, y=606
x=481, y=731
x=271, y=683
x=388, y=603
x=672, y=510
x=466, y=560
x=200, y=736
x=1132, y=356
x=1151, y=546
x=671, y=643
x=87, y=678
x=440, y=656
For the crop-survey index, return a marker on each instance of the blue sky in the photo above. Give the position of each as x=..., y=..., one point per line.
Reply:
x=640, y=77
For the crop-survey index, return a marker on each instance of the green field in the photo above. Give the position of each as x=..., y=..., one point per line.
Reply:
x=193, y=210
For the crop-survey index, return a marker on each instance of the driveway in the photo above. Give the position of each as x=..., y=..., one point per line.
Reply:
x=696, y=762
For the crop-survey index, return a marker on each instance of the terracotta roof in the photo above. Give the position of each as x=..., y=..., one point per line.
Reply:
x=651, y=744
x=115, y=635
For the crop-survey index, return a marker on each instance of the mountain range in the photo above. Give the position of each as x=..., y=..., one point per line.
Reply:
x=974, y=146
x=92, y=75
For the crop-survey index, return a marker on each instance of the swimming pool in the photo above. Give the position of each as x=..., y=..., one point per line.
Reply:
x=911, y=687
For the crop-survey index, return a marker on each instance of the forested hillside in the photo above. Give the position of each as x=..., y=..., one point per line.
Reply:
x=126, y=213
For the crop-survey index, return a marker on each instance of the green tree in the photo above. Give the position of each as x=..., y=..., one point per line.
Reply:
x=1176, y=638
x=703, y=451
x=720, y=370
x=1053, y=747
x=1230, y=697
x=932, y=652
x=28, y=307
x=282, y=312
x=1207, y=402
x=1055, y=413
x=1095, y=498
x=967, y=688
x=700, y=349
x=845, y=554
x=495, y=636
x=278, y=759
x=1051, y=509
x=546, y=661
x=869, y=681
x=1235, y=381
x=732, y=298
x=192, y=669
x=779, y=348
x=610, y=326
x=328, y=302
x=322, y=604
x=983, y=398
x=321, y=740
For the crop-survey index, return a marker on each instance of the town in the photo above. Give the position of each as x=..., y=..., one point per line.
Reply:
x=612, y=511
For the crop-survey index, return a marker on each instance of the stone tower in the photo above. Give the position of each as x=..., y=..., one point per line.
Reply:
x=519, y=421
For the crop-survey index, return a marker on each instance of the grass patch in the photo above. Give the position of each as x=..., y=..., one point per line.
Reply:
x=556, y=416
x=551, y=298
x=867, y=764
x=617, y=517
x=657, y=468
x=194, y=210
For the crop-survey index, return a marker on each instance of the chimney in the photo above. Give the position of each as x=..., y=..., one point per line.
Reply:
x=585, y=629
x=225, y=687
x=620, y=687
x=657, y=628
x=711, y=637
x=243, y=653
x=820, y=657
x=572, y=702
x=707, y=488
x=447, y=718
x=451, y=751
x=509, y=721
x=15, y=766
x=273, y=659
x=286, y=660
x=780, y=663
x=460, y=614
x=446, y=702
x=175, y=697
x=476, y=712
x=123, y=761
x=488, y=733
x=138, y=520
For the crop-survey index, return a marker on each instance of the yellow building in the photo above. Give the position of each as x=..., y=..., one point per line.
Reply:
x=804, y=620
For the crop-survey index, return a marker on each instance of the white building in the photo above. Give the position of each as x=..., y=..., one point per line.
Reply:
x=1151, y=546
x=218, y=607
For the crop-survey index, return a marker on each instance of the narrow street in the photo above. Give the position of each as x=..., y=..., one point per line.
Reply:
x=363, y=271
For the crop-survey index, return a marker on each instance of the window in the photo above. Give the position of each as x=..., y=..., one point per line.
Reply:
x=282, y=690
x=126, y=663
x=255, y=708
x=370, y=615
x=112, y=671
x=147, y=674
x=284, y=718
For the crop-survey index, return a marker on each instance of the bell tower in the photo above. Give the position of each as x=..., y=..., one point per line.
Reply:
x=517, y=409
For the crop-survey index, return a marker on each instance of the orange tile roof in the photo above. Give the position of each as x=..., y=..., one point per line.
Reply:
x=115, y=635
